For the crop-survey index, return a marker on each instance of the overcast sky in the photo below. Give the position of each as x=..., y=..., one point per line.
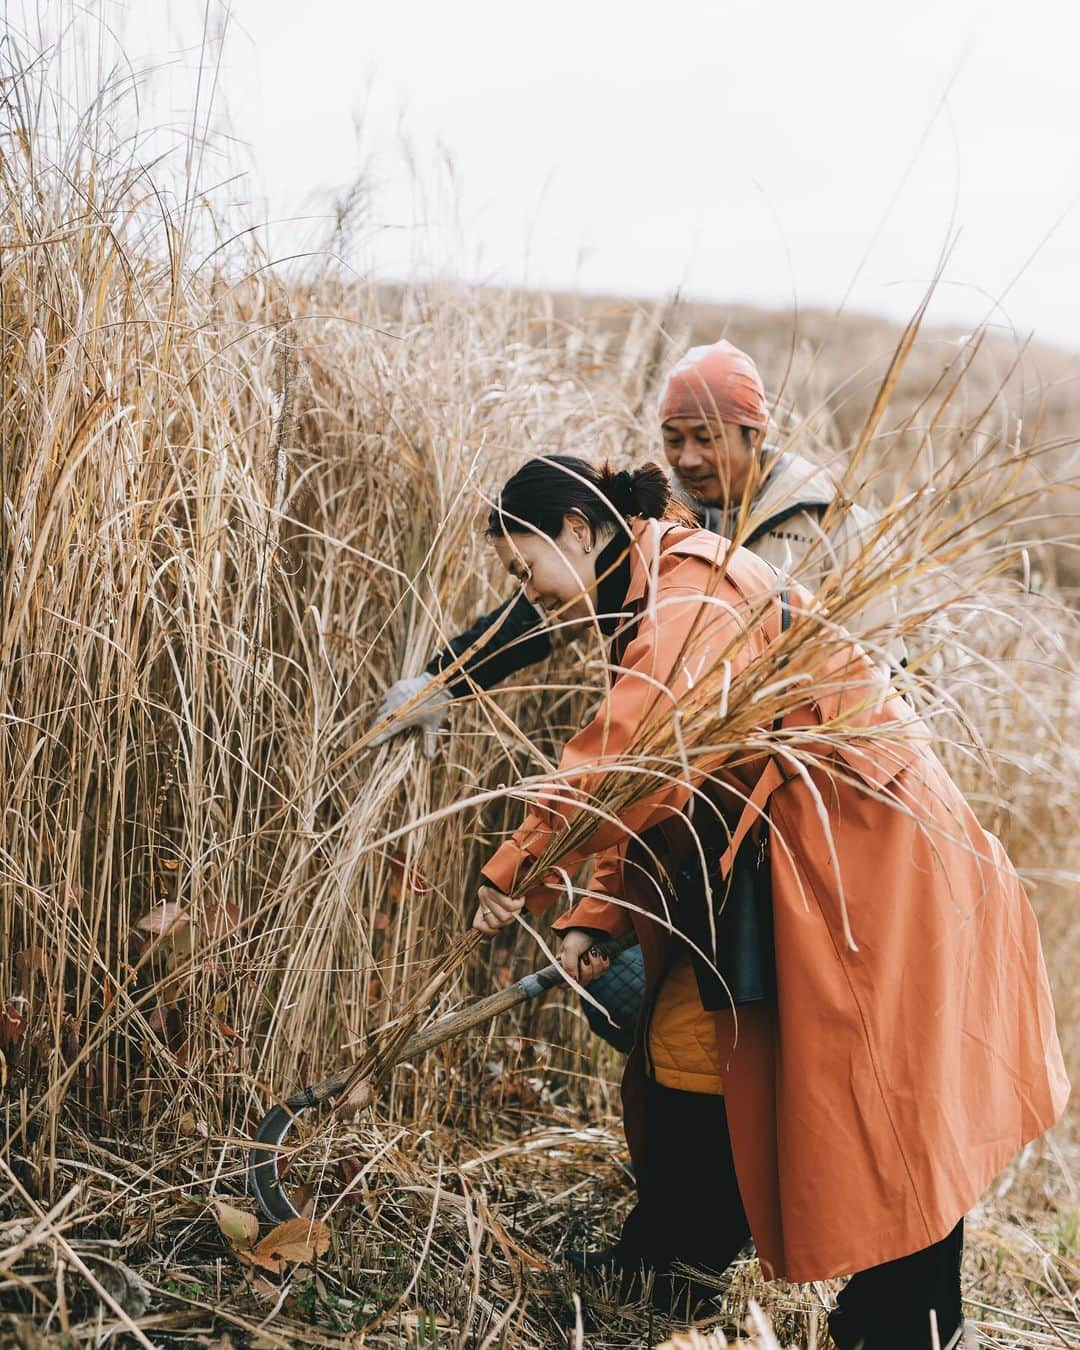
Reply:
x=747, y=150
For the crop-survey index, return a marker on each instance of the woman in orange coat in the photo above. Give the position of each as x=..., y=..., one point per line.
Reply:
x=902, y=1046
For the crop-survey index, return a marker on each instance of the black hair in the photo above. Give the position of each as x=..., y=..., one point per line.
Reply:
x=543, y=492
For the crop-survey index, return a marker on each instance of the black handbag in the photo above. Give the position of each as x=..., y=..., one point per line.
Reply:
x=741, y=967
x=741, y=963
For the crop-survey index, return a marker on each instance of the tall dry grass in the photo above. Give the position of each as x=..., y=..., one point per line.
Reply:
x=236, y=505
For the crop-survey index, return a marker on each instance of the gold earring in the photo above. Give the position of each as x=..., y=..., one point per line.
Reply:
x=588, y=548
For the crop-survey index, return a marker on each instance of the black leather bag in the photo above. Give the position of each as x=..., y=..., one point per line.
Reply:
x=741, y=905
x=741, y=964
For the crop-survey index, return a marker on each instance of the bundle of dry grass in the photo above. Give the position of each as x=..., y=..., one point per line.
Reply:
x=235, y=507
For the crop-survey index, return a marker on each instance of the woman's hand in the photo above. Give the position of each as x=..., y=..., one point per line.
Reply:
x=495, y=910
x=579, y=956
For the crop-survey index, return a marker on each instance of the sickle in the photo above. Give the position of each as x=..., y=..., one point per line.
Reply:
x=266, y=1185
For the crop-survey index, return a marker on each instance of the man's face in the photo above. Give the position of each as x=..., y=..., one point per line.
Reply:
x=710, y=459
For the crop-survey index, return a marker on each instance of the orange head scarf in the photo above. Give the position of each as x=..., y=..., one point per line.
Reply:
x=718, y=382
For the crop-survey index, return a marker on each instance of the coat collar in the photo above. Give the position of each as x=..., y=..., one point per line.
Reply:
x=651, y=539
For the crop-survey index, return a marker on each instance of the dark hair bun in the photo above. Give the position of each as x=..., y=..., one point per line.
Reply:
x=546, y=489
x=652, y=491
x=642, y=492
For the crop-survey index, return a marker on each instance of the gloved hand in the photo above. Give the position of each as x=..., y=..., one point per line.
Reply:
x=429, y=712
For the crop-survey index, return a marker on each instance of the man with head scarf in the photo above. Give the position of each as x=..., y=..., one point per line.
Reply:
x=713, y=420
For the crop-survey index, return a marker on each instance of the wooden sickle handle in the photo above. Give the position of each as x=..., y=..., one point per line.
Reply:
x=461, y=1020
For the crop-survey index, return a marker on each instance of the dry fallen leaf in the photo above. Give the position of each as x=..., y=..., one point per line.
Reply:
x=295, y=1242
x=238, y=1226
x=13, y=1020
x=222, y=918
x=403, y=877
x=230, y=1033
x=164, y=919
x=303, y=1198
x=359, y=1099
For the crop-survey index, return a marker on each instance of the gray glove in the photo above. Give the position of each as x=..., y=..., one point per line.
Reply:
x=429, y=712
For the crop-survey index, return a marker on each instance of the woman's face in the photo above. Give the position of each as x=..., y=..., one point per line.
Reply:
x=554, y=572
x=710, y=459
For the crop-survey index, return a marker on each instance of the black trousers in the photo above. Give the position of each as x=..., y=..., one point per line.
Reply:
x=689, y=1211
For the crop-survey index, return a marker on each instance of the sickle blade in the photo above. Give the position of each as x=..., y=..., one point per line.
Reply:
x=263, y=1165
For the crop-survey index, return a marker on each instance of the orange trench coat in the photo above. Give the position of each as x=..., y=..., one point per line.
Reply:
x=875, y=1100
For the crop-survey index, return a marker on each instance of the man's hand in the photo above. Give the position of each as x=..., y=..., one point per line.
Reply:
x=428, y=712
x=579, y=955
x=495, y=910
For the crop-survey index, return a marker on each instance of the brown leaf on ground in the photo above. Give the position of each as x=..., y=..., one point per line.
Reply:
x=359, y=1098
x=303, y=1198
x=164, y=919
x=406, y=877
x=14, y=1017
x=168, y=1022
x=221, y=918
x=295, y=1242
x=237, y=1225
x=70, y=1039
x=230, y=1033
x=348, y=1169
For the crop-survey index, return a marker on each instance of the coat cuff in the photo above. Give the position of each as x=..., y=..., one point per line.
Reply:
x=505, y=865
x=511, y=861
